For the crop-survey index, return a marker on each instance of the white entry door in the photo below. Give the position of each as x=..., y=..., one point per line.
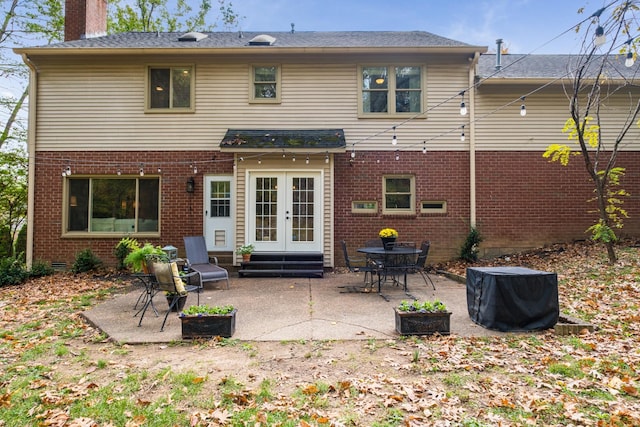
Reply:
x=285, y=211
x=219, y=213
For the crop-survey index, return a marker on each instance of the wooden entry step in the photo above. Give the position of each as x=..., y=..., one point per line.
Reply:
x=283, y=264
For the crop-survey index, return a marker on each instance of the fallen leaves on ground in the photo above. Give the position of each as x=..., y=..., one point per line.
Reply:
x=591, y=379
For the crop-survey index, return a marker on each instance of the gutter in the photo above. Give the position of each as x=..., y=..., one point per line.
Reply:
x=31, y=152
x=244, y=50
x=472, y=140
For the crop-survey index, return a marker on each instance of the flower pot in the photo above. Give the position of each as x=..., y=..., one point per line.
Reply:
x=417, y=323
x=179, y=305
x=207, y=326
x=388, y=243
x=246, y=257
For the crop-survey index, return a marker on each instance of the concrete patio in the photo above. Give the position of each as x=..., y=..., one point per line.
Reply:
x=334, y=307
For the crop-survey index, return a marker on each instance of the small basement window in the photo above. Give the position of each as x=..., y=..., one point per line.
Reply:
x=433, y=207
x=364, y=207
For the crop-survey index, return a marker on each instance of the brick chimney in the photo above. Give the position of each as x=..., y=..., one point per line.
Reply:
x=84, y=19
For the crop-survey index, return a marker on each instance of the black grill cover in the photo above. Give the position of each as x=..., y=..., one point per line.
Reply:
x=512, y=298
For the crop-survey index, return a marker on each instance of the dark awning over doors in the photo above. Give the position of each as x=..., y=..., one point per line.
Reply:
x=303, y=139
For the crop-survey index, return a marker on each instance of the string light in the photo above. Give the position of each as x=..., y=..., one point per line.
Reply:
x=630, y=60
x=600, y=37
x=462, y=138
x=293, y=158
x=259, y=160
x=397, y=155
x=195, y=169
x=119, y=172
x=424, y=147
x=394, y=140
x=523, y=108
x=326, y=157
x=307, y=160
x=463, y=107
x=141, y=169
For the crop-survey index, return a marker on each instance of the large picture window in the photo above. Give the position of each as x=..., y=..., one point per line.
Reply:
x=170, y=88
x=386, y=90
x=399, y=194
x=265, y=83
x=113, y=205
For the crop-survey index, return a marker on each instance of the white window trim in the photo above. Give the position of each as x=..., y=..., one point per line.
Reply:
x=427, y=210
x=252, y=93
x=356, y=208
x=147, y=90
x=391, y=91
x=412, y=201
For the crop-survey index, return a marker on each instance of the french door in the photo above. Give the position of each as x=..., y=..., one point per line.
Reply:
x=285, y=211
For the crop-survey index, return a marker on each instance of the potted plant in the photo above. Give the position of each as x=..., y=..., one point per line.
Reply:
x=388, y=236
x=422, y=318
x=203, y=321
x=137, y=258
x=246, y=250
x=182, y=300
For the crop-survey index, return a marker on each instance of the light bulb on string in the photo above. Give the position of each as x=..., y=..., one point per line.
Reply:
x=159, y=169
x=462, y=137
x=259, y=160
x=463, y=107
x=397, y=155
x=629, y=61
x=394, y=140
x=326, y=157
x=195, y=169
x=68, y=170
x=118, y=171
x=293, y=158
x=306, y=161
x=599, y=38
x=523, y=108
x=424, y=147
x=141, y=169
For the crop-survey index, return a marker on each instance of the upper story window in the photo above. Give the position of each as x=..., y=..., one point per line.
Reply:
x=170, y=89
x=265, y=83
x=112, y=205
x=399, y=194
x=386, y=90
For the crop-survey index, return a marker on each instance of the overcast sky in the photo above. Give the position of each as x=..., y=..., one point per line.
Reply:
x=526, y=26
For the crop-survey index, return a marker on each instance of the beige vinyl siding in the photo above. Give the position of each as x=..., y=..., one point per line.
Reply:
x=499, y=126
x=105, y=110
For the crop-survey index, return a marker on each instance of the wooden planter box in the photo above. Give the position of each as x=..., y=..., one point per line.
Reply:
x=416, y=323
x=209, y=326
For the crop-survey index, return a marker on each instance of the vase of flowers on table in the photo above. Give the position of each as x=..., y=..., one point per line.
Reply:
x=388, y=236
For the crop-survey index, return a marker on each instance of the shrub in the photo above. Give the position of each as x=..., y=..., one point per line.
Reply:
x=12, y=271
x=41, y=268
x=124, y=247
x=86, y=261
x=469, y=250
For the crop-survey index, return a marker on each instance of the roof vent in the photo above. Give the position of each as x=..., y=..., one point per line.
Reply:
x=192, y=36
x=262, y=40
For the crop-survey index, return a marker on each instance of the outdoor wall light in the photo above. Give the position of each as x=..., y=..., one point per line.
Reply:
x=191, y=185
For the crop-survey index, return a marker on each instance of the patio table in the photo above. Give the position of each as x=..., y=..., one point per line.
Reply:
x=392, y=263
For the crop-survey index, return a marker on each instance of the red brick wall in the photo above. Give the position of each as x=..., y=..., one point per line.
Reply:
x=181, y=212
x=522, y=200
x=84, y=19
x=439, y=176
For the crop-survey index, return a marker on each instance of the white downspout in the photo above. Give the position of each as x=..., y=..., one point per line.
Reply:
x=31, y=152
x=472, y=140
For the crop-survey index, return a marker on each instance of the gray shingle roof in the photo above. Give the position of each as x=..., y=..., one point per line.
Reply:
x=290, y=139
x=549, y=67
x=299, y=39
